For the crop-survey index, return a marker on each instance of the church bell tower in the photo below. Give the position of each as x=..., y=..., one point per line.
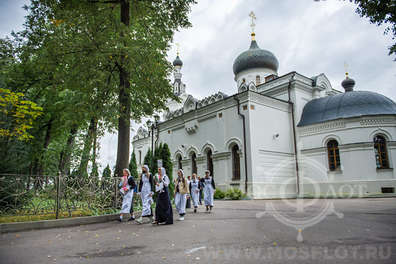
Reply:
x=178, y=86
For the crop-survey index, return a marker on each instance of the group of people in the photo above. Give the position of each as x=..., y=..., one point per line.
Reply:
x=187, y=190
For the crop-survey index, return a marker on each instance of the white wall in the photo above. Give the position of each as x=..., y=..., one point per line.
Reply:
x=207, y=130
x=250, y=75
x=270, y=159
x=273, y=165
x=141, y=145
x=357, y=157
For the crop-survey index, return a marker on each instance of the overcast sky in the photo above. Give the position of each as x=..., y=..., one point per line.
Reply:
x=306, y=36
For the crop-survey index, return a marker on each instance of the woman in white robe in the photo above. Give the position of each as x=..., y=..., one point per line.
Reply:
x=146, y=194
x=195, y=186
x=209, y=190
x=126, y=185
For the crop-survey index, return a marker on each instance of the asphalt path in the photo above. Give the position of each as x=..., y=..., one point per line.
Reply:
x=254, y=231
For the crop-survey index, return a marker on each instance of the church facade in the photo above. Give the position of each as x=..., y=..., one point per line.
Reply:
x=280, y=136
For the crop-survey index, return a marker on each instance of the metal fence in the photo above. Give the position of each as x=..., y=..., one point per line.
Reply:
x=53, y=197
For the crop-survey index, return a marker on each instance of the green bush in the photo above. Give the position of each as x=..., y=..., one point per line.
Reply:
x=234, y=194
x=219, y=194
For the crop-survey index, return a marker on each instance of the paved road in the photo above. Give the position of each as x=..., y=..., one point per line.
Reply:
x=360, y=231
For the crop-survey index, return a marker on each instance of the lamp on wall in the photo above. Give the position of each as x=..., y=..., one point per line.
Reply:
x=275, y=136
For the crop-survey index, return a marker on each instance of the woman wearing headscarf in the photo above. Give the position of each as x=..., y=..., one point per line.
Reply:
x=126, y=185
x=209, y=190
x=146, y=194
x=163, y=207
x=181, y=193
x=195, y=187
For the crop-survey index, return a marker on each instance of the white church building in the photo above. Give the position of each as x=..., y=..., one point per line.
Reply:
x=280, y=136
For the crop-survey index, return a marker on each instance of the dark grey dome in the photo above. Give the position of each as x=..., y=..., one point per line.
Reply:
x=346, y=105
x=255, y=57
x=177, y=61
x=348, y=84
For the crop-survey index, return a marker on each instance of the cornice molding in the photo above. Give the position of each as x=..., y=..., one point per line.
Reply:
x=315, y=129
x=377, y=121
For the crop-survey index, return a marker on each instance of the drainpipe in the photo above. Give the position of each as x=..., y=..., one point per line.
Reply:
x=294, y=134
x=244, y=142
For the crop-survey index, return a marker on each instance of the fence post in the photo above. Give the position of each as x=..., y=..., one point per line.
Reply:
x=58, y=182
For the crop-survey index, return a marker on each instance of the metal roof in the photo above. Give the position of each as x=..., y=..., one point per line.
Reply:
x=346, y=105
x=177, y=61
x=255, y=57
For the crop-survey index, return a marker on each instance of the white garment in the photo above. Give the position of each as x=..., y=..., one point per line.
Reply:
x=145, y=194
x=127, y=199
x=195, y=192
x=165, y=182
x=208, y=191
x=180, y=203
x=127, y=202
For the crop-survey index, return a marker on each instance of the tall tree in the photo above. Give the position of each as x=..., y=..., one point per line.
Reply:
x=88, y=142
x=17, y=114
x=148, y=159
x=156, y=157
x=133, y=166
x=167, y=164
x=106, y=172
x=66, y=152
x=106, y=178
x=113, y=52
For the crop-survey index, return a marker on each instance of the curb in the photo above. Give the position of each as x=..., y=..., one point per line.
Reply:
x=34, y=225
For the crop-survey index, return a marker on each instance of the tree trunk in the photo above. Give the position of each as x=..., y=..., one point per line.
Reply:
x=65, y=156
x=124, y=101
x=94, y=149
x=29, y=176
x=82, y=170
x=47, y=141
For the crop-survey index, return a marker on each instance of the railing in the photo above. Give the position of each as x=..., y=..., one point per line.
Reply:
x=27, y=197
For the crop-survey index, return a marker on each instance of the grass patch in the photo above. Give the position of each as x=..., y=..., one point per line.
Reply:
x=51, y=216
x=44, y=207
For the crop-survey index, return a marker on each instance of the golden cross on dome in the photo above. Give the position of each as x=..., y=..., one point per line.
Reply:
x=178, y=48
x=252, y=25
x=346, y=69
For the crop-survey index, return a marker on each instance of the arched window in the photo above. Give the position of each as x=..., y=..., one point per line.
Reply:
x=193, y=163
x=179, y=162
x=258, y=80
x=209, y=161
x=333, y=155
x=236, y=169
x=381, y=153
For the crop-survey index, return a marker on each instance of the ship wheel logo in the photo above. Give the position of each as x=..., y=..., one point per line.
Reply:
x=299, y=213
